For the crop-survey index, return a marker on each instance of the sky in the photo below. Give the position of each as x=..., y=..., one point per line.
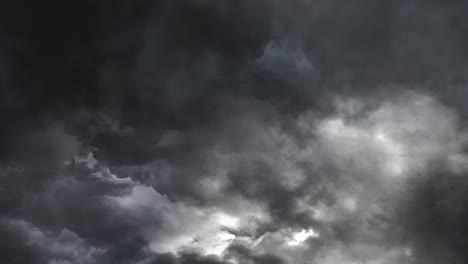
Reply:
x=233, y=132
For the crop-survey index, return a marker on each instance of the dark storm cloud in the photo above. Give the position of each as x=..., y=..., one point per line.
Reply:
x=163, y=59
x=24, y=243
x=431, y=214
x=222, y=116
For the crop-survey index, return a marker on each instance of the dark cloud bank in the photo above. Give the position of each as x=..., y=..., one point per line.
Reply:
x=244, y=132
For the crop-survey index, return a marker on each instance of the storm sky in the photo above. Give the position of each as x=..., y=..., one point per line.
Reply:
x=233, y=132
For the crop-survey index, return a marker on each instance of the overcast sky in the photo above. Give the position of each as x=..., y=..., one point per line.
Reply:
x=233, y=132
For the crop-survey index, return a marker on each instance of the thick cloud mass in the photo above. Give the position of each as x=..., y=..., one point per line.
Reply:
x=233, y=132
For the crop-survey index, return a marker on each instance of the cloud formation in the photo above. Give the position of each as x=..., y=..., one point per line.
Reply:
x=223, y=132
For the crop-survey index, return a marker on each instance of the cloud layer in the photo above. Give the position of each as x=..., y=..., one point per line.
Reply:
x=221, y=132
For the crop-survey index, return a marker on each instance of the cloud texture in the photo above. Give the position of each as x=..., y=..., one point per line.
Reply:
x=233, y=132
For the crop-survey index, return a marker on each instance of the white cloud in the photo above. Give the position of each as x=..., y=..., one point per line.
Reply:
x=297, y=238
x=179, y=226
x=398, y=138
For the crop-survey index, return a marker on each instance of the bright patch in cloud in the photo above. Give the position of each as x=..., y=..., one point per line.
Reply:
x=395, y=163
x=226, y=220
x=349, y=204
x=301, y=236
x=396, y=139
x=216, y=244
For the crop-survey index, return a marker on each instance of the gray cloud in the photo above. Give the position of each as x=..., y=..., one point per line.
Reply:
x=202, y=131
